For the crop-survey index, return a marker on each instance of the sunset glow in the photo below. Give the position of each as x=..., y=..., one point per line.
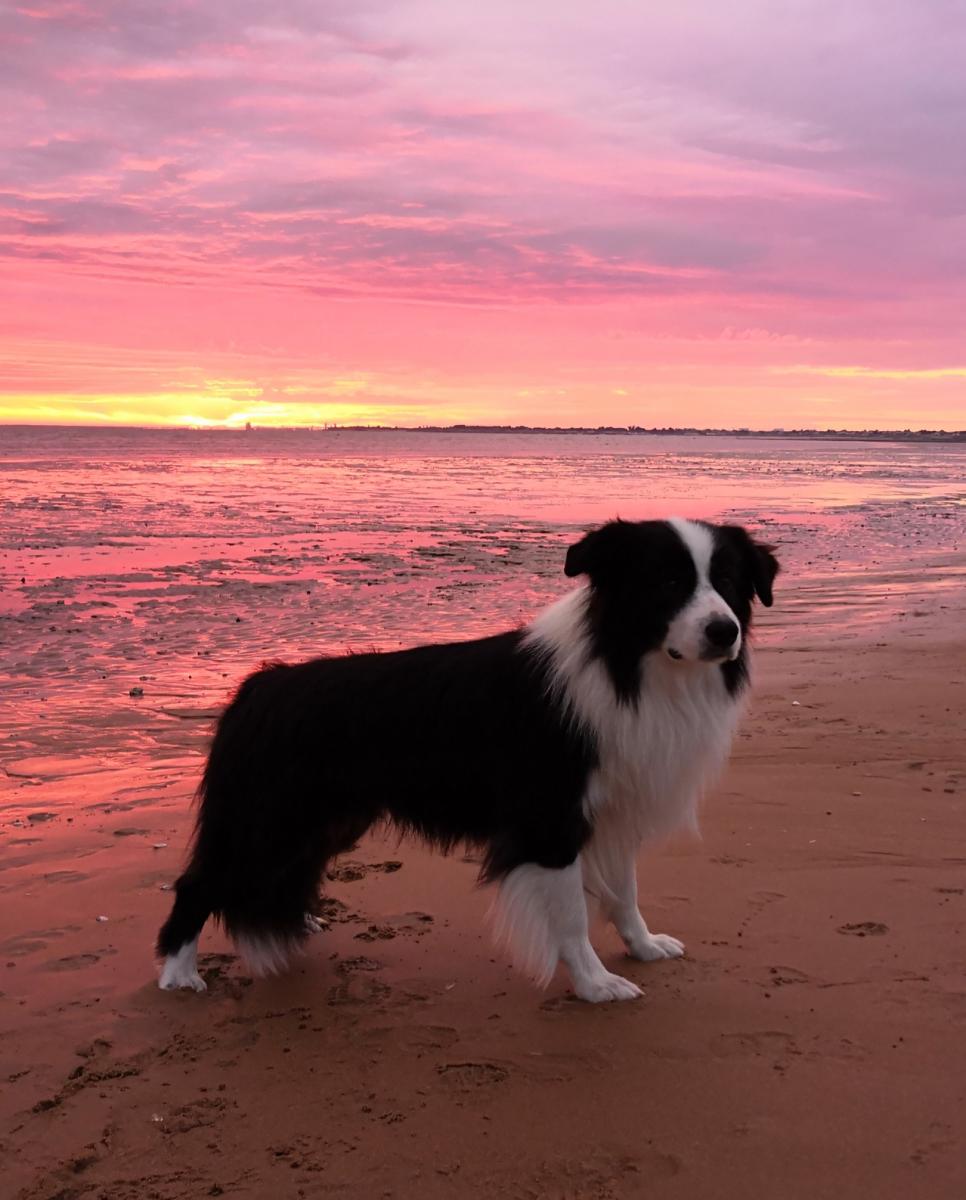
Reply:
x=402, y=213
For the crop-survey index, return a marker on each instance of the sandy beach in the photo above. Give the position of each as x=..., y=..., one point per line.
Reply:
x=331, y=328
x=809, y=1045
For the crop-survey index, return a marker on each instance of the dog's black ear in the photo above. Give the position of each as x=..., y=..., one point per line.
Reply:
x=760, y=561
x=765, y=567
x=599, y=551
x=578, y=557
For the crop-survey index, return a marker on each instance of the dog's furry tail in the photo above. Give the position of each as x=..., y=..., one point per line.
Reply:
x=257, y=879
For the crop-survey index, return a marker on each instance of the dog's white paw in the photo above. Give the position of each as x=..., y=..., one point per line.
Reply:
x=174, y=977
x=603, y=987
x=655, y=946
x=180, y=970
x=314, y=924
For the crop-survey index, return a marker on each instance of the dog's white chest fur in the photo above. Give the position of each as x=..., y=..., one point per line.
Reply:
x=656, y=757
x=656, y=760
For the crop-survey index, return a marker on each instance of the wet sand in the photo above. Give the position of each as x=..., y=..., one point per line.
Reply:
x=809, y=1045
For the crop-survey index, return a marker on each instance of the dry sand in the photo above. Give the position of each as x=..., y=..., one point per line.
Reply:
x=812, y=1043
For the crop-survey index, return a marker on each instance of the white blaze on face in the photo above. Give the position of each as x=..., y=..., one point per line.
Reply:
x=687, y=636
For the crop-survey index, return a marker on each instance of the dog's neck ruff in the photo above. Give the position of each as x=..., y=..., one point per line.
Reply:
x=656, y=757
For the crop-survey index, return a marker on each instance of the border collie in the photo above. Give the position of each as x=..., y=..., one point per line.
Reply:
x=555, y=749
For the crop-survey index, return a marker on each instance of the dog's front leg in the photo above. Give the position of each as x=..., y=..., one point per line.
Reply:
x=620, y=899
x=544, y=918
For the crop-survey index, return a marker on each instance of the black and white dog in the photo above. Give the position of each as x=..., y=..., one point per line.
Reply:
x=555, y=749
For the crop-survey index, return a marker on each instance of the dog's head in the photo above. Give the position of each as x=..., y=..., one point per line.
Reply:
x=684, y=587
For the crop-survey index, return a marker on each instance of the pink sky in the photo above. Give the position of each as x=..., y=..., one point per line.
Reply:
x=626, y=212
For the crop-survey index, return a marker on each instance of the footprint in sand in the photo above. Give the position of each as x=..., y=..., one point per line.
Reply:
x=415, y=1039
x=334, y=912
x=30, y=943
x=470, y=1076
x=197, y=1114
x=426, y=1037
x=97, y=1069
x=770, y=1042
x=348, y=965
x=569, y=1003
x=76, y=962
x=416, y=923
x=65, y=877
x=357, y=985
x=600, y=1175
x=413, y=924
x=376, y=933
x=539, y=1066
x=864, y=928
x=777, y=976
x=19, y=947
x=357, y=989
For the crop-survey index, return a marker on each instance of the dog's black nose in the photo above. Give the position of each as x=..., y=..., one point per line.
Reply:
x=721, y=633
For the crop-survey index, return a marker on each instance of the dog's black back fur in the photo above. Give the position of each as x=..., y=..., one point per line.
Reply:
x=307, y=757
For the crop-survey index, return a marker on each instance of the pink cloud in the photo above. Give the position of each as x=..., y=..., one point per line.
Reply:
x=618, y=190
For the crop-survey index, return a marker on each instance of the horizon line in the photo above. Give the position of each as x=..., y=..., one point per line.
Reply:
x=465, y=427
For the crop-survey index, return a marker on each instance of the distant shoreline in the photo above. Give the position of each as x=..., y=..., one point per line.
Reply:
x=862, y=435
x=821, y=435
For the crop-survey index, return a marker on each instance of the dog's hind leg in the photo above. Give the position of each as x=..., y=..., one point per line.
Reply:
x=272, y=914
x=178, y=938
x=543, y=919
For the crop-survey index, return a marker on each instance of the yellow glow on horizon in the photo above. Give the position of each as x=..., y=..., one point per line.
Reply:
x=874, y=372
x=217, y=409
x=804, y=396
